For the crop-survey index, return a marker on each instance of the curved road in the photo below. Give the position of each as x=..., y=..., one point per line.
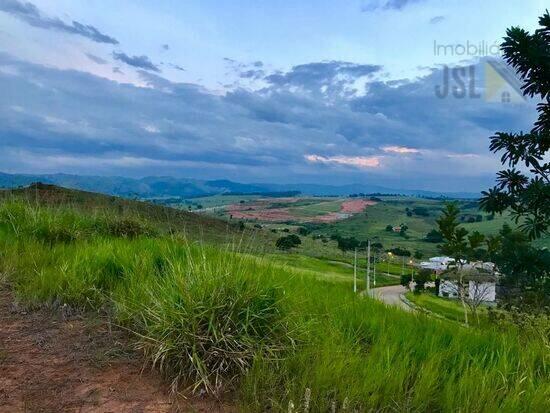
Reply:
x=391, y=296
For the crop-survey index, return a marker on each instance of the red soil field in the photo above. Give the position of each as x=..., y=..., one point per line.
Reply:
x=259, y=210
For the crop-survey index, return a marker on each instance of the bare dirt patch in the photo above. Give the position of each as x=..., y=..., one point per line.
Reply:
x=355, y=206
x=53, y=363
x=263, y=210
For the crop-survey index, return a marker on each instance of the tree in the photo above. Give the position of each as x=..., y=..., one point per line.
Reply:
x=524, y=267
x=287, y=242
x=347, y=244
x=434, y=236
x=303, y=231
x=422, y=277
x=401, y=252
x=526, y=194
x=377, y=246
x=405, y=280
x=462, y=248
x=389, y=228
x=472, y=285
x=421, y=211
x=418, y=255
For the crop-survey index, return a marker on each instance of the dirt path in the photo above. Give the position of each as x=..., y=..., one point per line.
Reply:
x=50, y=363
x=391, y=295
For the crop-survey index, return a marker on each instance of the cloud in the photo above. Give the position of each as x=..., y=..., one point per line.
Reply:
x=252, y=74
x=437, y=19
x=372, y=5
x=177, y=67
x=400, y=149
x=363, y=162
x=277, y=133
x=96, y=59
x=140, y=62
x=331, y=78
x=30, y=14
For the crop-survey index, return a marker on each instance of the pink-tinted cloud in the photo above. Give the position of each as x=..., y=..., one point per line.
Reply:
x=363, y=162
x=400, y=149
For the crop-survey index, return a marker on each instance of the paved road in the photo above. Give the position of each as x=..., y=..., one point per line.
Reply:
x=390, y=295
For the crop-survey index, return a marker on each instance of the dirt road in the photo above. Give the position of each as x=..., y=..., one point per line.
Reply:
x=391, y=295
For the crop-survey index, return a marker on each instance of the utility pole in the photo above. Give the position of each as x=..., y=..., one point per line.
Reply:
x=368, y=267
x=374, y=269
x=355, y=272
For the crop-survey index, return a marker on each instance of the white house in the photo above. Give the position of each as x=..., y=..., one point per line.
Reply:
x=484, y=291
x=437, y=264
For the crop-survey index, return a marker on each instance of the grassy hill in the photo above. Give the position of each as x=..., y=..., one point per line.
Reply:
x=194, y=226
x=211, y=317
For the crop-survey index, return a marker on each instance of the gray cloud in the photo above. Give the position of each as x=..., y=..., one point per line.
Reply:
x=371, y=5
x=140, y=62
x=437, y=19
x=326, y=78
x=30, y=14
x=69, y=121
x=96, y=59
x=177, y=67
x=252, y=74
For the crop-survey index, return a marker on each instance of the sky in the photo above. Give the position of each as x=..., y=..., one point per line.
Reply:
x=386, y=92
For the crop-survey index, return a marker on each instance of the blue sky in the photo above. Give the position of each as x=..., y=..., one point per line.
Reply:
x=255, y=91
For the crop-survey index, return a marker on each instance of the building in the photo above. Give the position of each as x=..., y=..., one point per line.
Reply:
x=437, y=264
x=483, y=291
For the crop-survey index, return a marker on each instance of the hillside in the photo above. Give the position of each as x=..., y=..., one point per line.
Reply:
x=166, y=186
x=215, y=321
x=194, y=226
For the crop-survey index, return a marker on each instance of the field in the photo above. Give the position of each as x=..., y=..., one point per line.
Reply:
x=330, y=216
x=268, y=330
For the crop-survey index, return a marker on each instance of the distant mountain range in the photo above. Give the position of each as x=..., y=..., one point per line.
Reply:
x=165, y=186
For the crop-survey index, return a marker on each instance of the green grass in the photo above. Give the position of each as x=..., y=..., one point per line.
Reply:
x=215, y=318
x=447, y=308
x=333, y=270
x=318, y=207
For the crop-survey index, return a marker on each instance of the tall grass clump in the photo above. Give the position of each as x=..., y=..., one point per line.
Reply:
x=200, y=314
x=206, y=317
x=215, y=319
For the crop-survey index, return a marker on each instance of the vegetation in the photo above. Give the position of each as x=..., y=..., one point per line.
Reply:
x=527, y=195
x=212, y=318
x=287, y=242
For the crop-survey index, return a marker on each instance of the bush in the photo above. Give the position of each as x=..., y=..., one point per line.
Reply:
x=288, y=242
x=303, y=231
x=421, y=211
x=402, y=252
x=128, y=228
